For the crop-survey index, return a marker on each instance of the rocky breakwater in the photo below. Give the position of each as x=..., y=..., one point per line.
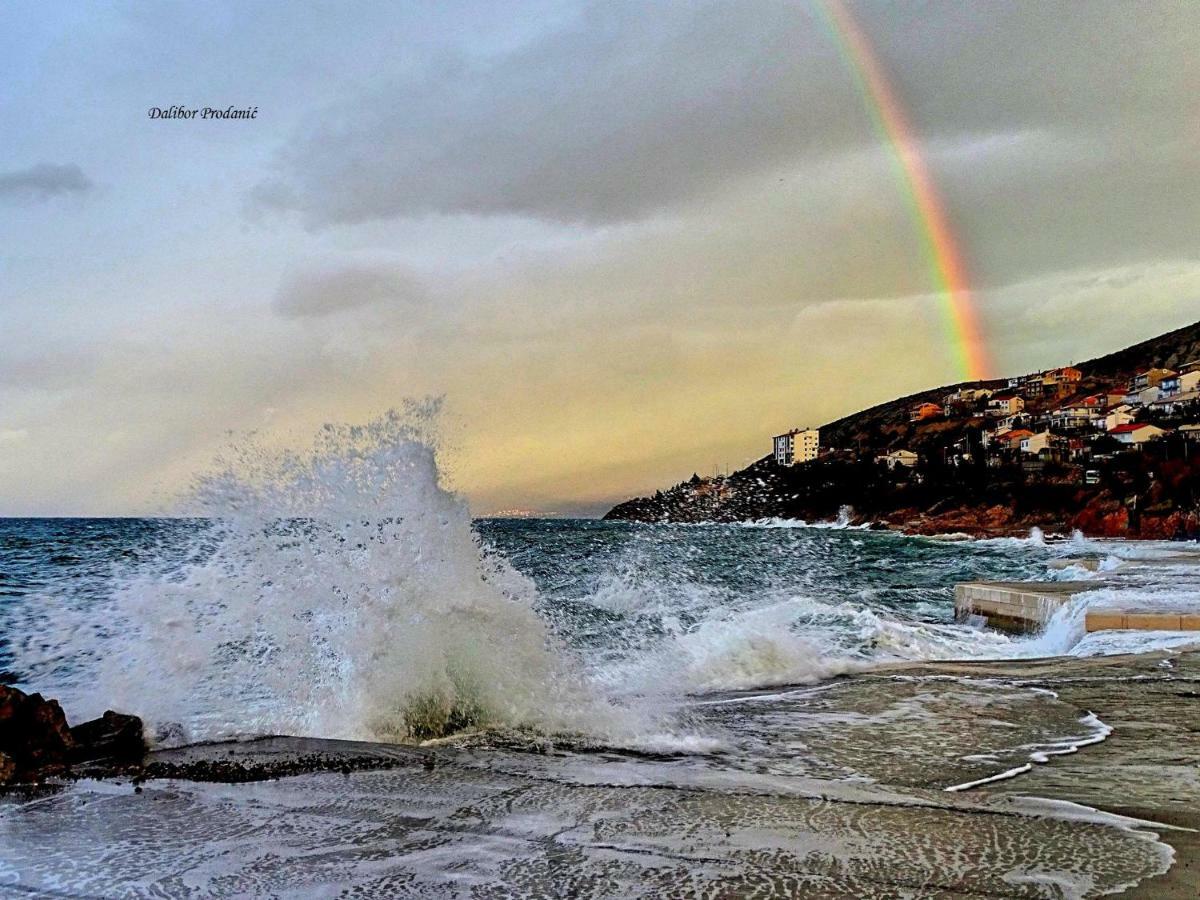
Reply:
x=37, y=742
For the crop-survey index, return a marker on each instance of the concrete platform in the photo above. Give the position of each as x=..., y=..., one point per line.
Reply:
x=1025, y=606
x=1020, y=606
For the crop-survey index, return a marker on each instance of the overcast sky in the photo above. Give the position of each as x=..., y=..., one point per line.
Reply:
x=625, y=241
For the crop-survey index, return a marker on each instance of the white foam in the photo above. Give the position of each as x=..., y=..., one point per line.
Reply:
x=999, y=776
x=1042, y=753
x=843, y=521
x=340, y=592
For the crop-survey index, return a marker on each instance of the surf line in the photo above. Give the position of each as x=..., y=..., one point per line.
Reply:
x=1002, y=776
x=1062, y=748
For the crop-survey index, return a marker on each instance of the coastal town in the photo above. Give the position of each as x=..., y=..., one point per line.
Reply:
x=1052, y=416
x=1109, y=447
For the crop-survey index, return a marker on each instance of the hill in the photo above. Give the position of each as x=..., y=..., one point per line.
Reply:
x=1170, y=350
x=964, y=480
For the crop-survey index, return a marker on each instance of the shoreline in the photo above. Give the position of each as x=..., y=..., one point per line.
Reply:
x=1142, y=767
x=1053, y=531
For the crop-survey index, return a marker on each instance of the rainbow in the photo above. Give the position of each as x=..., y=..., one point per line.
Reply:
x=945, y=259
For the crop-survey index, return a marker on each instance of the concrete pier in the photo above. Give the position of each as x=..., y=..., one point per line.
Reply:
x=1015, y=605
x=1025, y=606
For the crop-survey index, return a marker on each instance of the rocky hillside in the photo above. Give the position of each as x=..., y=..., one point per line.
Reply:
x=886, y=425
x=1170, y=351
x=1152, y=493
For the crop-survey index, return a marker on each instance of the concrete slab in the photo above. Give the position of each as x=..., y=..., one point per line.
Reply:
x=1104, y=621
x=1025, y=606
x=1149, y=621
x=1015, y=605
x=1140, y=620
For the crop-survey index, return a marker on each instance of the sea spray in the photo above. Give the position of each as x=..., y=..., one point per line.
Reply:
x=343, y=591
x=336, y=592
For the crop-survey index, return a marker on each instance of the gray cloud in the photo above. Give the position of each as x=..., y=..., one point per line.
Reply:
x=324, y=292
x=623, y=114
x=628, y=113
x=43, y=181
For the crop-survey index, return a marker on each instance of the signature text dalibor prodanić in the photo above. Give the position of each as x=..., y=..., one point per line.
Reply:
x=203, y=112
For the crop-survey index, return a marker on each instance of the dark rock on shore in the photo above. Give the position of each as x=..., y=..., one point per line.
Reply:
x=36, y=741
x=34, y=737
x=113, y=736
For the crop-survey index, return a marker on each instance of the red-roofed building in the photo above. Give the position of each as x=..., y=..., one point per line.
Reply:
x=1103, y=400
x=1012, y=438
x=924, y=411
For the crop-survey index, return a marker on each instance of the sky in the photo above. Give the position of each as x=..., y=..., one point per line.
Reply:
x=623, y=241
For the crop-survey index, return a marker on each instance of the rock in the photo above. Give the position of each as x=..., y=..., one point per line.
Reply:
x=113, y=736
x=1102, y=517
x=34, y=738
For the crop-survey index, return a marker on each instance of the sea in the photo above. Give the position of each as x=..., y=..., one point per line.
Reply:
x=616, y=709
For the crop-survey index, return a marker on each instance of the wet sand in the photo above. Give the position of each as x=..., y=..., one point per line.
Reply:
x=830, y=791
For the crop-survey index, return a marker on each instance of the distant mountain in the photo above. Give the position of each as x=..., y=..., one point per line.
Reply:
x=957, y=486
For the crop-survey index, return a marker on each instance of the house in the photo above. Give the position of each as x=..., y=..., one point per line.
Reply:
x=1151, y=378
x=1065, y=376
x=1103, y=400
x=1176, y=403
x=963, y=400
x=970, y=395
x=1008, y=423
x=904, y=458
x=1120, y=415
x=800, y=445
x=924, y=411
x=1136, y=433
x=1032, y=388
x=1074, y=415
x=1011, y=439
x=1035, y=443
x=1178, y=384
x=1005, y=405
x=1141, y=396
